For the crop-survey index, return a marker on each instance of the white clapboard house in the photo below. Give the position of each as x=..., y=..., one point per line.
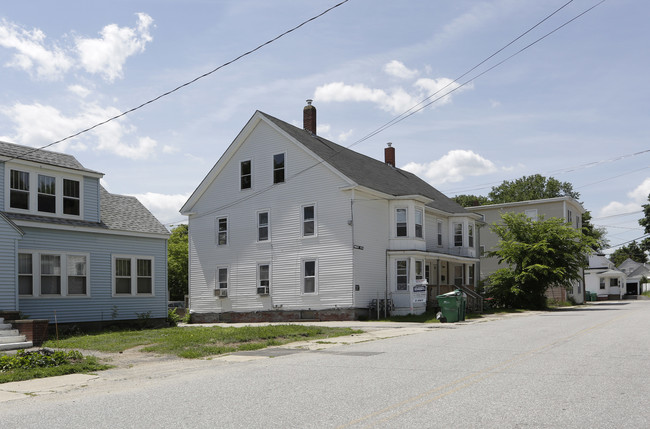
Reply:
x=288, y=225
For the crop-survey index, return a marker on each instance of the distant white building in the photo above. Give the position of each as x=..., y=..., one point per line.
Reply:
x=603, y=278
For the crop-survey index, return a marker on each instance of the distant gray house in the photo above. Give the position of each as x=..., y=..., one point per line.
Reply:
x=290, y=225
x=637, y=273
x=69, y=250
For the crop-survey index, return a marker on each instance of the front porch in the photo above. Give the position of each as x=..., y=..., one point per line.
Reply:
x=438, y=272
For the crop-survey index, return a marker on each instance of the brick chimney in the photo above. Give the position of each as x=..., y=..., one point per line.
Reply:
x=309, y=118
x=389, y=155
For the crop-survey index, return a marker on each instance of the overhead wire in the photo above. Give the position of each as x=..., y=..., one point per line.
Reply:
x=416, y=109
x=179, y=87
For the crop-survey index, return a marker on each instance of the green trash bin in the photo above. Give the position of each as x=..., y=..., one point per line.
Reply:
x=594, y=296
x=452, y=305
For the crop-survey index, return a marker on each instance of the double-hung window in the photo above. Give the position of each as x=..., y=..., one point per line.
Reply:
x=278, y=168
x=470, y=235
x=402, y=274
x=602, y=283
x=133, y=275
x=439, y=233
x=401, y=225
x=263, y=226
x=222, y=231
x=569, y=216
x=263, y=279
x=458, y=234
x=222, y=278
x=419, y=220
x=419, y=270
x=459, y=275
x=613, y=282
x=19, y=190
x=46, y=194
x=52, y=274
x=309, y=276
x=245, y=181
x=25, y=274
x=71, y=199
x=309, y=220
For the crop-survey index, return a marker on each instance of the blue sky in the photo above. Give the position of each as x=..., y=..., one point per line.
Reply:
x=573, y=106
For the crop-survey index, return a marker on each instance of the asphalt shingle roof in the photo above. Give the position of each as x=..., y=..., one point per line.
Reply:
x=125, y=213
x=369, y=172
x=42, y=156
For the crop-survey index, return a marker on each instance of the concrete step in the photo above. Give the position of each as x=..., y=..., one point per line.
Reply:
x=4, y=326
x=8, y=333
x=12, y=339
x=16, y=345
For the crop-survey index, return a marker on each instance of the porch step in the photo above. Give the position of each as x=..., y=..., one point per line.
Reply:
x=10, y=339
x=16, y=345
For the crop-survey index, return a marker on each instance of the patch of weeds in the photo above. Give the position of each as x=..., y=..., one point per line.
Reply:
x=46, y=363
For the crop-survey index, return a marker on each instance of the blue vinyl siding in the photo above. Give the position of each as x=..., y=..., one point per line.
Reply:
x=91, y=208
x=8, y=273
x=100, y=305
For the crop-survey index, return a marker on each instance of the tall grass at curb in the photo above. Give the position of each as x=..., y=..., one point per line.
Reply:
x=196, y=342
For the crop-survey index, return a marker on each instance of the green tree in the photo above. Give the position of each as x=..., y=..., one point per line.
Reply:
x=177, y=257
x=632, y=251
x=538, y=254
x=535, y=187
x=471, y=200
x=597, y=234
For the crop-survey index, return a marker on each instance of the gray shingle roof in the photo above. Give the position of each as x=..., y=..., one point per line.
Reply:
x=369, y=172
x=57, y=159
x=125, y=213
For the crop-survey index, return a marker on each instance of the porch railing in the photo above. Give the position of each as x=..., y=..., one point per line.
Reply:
x=474, y=300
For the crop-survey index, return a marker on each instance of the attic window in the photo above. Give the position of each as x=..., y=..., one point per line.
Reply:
x=19, y=198
x=278, y=168
x=245, y=169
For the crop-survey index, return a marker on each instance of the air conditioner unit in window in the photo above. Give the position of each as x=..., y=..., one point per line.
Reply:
x=221, y=293
x=262, y=290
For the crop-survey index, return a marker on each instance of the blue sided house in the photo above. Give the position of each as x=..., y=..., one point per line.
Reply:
x=69, y=250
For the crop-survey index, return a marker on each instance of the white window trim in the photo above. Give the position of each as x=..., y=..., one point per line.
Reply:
x=440, y=241
x=241, y=174
x=415, y=223
x=302, y=276
x=462, y=234
x=33, y=191
x=406, y=210
x=408, y=273
x=268, y=225
x=216, y=231
x=259, y=279
x=134, y=276
x=217, y=286
x=470, y=235
x=302, y=220
x=36, y=274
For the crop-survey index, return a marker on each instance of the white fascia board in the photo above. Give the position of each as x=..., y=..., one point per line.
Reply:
x=221, y=163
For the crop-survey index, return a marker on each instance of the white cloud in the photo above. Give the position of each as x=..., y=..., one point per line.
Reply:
x=54, y=125
x=164, y=207
x=452, y=167
x=344, y=136
x=398, y=69
x=107, y=54
x=32, y=54
x=395, y=100
x=79, y=90
x=641, y=192
x=638, y=197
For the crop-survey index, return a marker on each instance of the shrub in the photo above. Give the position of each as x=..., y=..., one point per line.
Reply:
x=43, y=358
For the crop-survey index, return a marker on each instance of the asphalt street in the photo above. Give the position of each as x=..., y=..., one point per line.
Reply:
x=585, y=367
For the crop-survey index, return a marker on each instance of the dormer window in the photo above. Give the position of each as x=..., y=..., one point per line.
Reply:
x=19, y=198
x=44, y=193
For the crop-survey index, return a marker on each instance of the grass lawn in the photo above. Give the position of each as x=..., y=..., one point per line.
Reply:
x=196, y=342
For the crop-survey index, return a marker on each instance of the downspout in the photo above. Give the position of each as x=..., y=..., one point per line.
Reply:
x=354, y=268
